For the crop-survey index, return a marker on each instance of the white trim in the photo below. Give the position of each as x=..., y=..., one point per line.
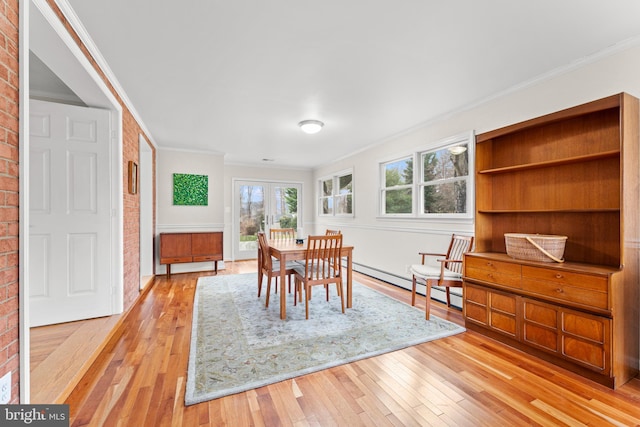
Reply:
x=179, y=228
x=437, y=294
x=23, y=270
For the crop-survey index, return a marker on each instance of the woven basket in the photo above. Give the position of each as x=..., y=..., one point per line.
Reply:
x=535, y=247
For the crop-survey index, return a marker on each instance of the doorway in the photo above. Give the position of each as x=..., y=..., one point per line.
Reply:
x=51, y=42
x=260, y=206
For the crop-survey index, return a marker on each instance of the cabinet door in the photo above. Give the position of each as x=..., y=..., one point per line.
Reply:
x=493, y=309
x=206, y=246
x=580, y=337
x=175, y=247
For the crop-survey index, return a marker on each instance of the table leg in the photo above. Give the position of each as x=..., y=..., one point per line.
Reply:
x=283, y=288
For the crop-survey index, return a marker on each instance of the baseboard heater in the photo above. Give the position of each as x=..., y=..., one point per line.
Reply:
x=437, y=294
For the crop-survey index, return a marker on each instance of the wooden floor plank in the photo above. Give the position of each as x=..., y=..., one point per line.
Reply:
x=465, y=379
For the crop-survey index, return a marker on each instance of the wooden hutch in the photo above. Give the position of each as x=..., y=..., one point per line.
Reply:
x=572, y=173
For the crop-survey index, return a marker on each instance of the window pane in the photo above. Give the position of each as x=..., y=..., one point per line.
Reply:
x=399, y=173
x=398, y=201
x=445, y=163
x=344, y=204
x=327, y=187
x=445, y=198
x=327, y=206
x=344, y=183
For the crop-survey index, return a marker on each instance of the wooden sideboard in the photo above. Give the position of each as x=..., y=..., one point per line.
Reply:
x=572, y=173
x=190, y=247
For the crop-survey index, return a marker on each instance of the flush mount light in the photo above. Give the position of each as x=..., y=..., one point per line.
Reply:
x=311, y=126
x=458, y=149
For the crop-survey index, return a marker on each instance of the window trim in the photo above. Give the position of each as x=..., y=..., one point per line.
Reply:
x=335, y=193
x=418, y=184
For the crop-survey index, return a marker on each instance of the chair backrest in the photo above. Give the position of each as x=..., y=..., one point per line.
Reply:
x=263, y=255
x=332, y=232
x=282, y=233
x=323, y=254
x=457, y=248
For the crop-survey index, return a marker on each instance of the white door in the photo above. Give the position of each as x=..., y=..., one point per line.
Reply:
x=260, y=206
x=69, y=196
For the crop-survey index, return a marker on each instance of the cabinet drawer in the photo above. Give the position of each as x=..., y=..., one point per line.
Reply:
x=491, y=265
x=175, y=260
x=207, y=258
x=583, y=281
x=492, y=276
x=564, y=292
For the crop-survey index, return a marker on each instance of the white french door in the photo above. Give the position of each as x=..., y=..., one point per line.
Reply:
x=260, y=206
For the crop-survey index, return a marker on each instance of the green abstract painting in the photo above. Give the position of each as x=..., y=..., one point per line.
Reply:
x=190, y=190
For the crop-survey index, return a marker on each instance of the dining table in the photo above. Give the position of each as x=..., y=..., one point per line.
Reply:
x=288, y=250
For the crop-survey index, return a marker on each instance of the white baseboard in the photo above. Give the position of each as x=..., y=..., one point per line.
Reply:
x=437, y=294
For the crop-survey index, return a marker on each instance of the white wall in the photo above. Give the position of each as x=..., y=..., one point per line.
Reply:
x=188, y=218
x=276, y=174
x=390, y=245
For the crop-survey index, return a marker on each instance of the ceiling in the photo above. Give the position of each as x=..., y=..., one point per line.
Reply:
x=235, y=77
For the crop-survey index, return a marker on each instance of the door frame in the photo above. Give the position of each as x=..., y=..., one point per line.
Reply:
x=145, y=183
x=235, y=208
x=77, y=71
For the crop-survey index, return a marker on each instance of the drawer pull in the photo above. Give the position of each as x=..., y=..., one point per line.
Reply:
x=559, y=276
x=560, y=290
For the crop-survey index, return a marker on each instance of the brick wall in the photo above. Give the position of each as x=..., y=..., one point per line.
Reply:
x=9, y=115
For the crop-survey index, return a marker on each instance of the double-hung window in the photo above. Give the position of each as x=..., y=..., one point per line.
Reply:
x=440, y=184
x=397, y=187
x=336, y=194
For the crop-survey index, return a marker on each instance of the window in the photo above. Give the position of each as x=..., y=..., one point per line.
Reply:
x=439, y=187
x=336, y=194
x=397, y=191
x=443, y=187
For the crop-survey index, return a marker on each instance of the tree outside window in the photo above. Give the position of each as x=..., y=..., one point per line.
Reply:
x=398, y=186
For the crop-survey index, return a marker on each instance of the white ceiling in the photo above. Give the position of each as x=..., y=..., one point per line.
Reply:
x=237, y=76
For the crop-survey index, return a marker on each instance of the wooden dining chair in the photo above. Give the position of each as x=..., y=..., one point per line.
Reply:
x=332, y=232
x=447, y=274
x=270, y=267
x=323, y=253
x=282, y=233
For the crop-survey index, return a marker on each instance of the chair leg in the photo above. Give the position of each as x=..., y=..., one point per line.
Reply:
x=427, y=303
x=307, y=289
x=259, y=282
x=339, y=284
x=268, y=290
x=295, y=291
x=413, y=292
x=448, y=297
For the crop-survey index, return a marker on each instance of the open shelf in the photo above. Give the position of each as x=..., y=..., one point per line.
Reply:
x=552, y=163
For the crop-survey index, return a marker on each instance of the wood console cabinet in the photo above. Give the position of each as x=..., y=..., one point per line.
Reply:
x=190, y=247
x=571, y=173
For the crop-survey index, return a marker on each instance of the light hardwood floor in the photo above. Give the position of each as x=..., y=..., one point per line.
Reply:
x=464, y=380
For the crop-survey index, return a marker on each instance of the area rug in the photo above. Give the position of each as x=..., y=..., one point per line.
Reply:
x=237, y=344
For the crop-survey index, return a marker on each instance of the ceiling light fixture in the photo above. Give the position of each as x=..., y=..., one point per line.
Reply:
x=458, y=149
x=311, y=126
